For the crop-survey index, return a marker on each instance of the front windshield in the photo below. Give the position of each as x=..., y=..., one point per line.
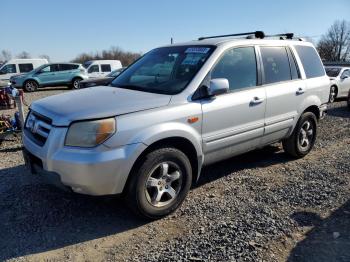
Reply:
x=332, y=71
x=166, y=70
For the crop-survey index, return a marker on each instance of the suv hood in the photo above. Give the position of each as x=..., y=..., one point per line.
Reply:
x=96, y=102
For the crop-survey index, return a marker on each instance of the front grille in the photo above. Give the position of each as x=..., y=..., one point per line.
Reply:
x=37, y=127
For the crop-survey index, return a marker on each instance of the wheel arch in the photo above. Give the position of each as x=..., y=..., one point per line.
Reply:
x=179, y=142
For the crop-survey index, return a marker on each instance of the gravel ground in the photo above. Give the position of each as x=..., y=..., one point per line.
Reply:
x=261, y=206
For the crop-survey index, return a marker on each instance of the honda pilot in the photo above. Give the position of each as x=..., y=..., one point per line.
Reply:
x=178, y=108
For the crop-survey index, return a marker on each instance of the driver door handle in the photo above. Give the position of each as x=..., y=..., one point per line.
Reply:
x=300, y=91
x=256, y=100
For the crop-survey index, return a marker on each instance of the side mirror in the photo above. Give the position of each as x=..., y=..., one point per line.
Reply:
x=218, y=86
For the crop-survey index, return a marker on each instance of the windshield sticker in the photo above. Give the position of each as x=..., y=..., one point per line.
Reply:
x=191, y=59
x=197, y=50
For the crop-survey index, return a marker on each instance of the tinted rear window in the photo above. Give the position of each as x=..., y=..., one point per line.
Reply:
x=311, y=62
x=24, y=68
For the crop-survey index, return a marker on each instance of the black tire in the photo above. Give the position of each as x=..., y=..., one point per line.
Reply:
x=75, y=83
x=30, y=86
x=141, y=196
x=296, y=145
x=333, y=92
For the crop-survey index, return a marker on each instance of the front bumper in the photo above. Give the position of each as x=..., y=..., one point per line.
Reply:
x=96, y=171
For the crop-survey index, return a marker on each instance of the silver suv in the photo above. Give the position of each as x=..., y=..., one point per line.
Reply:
x=149, y=133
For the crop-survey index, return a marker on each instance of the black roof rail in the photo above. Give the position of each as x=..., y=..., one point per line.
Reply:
x=257, y=34
x=286, y=35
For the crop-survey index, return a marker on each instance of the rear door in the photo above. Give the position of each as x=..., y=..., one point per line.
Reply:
x=285, y=91
x=234, y=122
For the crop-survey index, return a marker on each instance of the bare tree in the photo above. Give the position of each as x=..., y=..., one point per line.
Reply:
x=114, y=53
x=45, y=57
x=335, y=44
x=6, y=55
x=23, y=55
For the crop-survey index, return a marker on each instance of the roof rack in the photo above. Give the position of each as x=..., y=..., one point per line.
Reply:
x=257, y=34
x=286, y=35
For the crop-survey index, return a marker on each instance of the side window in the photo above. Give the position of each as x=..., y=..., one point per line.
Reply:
x=45, y=69
x=294, y=69
x=54, y=68
x=9, y=69
x=106, y=68
x=276, y=64
x=311, y=62
x=346, y=73
x=24, y=68
x=65, y=67
x=93, y=69
x=238, y=66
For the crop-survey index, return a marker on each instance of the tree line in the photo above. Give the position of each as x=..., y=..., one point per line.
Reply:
x=333, y=46
x=114, y=53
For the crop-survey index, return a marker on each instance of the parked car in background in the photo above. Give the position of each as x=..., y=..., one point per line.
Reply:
x=101, y=68
x=340, y=81
x=18, y=66
x=55, y=74
x=101, y=81
x=178, y=108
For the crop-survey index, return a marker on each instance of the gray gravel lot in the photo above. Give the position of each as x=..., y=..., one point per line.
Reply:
x=259, y=206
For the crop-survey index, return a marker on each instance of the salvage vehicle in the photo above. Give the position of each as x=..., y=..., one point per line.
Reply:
x=102, y=81
x=340, y=82
x=176, y=109
x=57, y=74
x=18, y=66
x=101, y=68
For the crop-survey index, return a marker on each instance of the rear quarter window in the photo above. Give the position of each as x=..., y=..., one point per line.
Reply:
x=106, y=68
x=312, y=64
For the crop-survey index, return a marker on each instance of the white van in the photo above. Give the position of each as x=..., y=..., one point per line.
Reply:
x=101, y=68
x=18, y=66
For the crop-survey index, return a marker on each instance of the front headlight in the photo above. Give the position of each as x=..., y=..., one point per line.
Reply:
x=90, y=133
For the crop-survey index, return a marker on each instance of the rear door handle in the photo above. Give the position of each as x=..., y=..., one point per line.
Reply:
x=300, y=91
x=256, y=100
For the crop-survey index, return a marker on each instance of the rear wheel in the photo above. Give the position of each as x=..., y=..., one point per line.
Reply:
x=332, y=94
x=302, y=140
x=159, y=186
x=76, y=83
x=30, y=86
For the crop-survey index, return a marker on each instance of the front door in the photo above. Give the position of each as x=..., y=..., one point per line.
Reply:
x=234, y=122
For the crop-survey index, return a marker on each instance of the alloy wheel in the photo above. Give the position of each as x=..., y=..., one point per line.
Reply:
x=306, y=135
x=163, y=184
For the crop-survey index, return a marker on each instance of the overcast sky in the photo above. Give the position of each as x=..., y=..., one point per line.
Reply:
x=62, y=29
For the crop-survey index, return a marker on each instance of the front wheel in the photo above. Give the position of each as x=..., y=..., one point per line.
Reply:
x=30, y=86
x=160, y=185
x=302, y=140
